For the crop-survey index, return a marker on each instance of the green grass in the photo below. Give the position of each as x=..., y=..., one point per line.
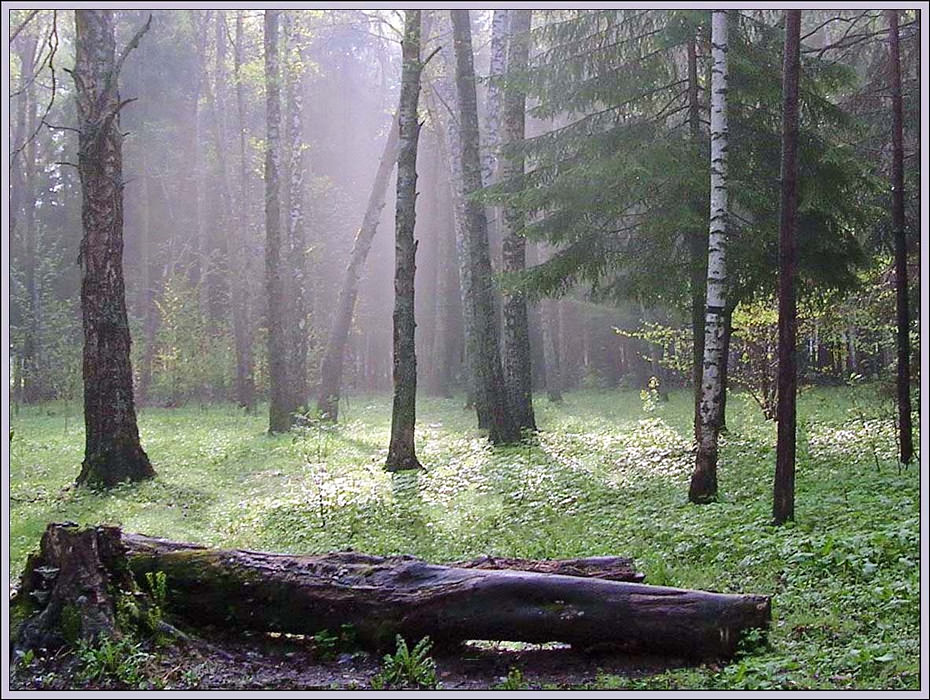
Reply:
x=605, y=477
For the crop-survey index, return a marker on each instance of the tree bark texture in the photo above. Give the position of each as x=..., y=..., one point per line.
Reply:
x=905, y=429
x=112, y=451
x=296, y=327
x=489, y=375
x=401, y=452
x=281, y=408
x=382, y=597
x=518, y=371
x=331, y=369
x=703, y=486
x=783, y=505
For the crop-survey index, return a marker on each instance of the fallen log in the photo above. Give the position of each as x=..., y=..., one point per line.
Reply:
x=385, y=596
x=609, y=568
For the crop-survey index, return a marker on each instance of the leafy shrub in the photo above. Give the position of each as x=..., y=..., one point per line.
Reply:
x=113, y=660
x=408, y=669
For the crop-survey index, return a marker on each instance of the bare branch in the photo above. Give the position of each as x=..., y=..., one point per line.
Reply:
x=29, y=17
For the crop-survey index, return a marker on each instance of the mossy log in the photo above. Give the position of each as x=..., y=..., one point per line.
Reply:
x=385, y=596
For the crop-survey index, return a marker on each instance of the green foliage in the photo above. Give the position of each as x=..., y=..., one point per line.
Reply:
x=602, y=478
x=328, y=645
x=118, y=661
x=193, y=359
x=514, y=681
x=407, y=668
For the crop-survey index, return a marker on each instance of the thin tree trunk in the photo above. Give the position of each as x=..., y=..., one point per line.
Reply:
x=201, y=265
x=518, y=372
x=245, y=363
x=280, y=409
x=697, y=240
x=549, y=314
x=451, y=145
x=32, y=390
x=331, y=370
x=216, y=100
x=112, y=450
x=489, y=373
x=783, y=506
x=905, y=429
x=490, y=161
x=296, y=326
x=401, y=452
x=150, y=314
x=703, y=488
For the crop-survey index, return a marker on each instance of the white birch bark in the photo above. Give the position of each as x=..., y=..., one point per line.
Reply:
x=704, y=480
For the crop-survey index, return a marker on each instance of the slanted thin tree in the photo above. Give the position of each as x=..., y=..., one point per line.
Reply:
x=401, y=452
x=330, y=386
x=112, y=451
x=783, y=506
x=703, y=487
x=486, y=362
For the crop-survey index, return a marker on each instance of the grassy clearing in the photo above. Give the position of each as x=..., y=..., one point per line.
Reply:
x=608, y=475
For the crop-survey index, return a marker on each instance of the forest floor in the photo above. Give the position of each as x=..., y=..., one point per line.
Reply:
x=607, y=474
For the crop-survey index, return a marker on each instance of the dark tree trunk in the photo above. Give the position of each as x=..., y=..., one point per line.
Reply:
x=489, y=375
x=280, y=409
x=383, y=597
x=783, y=506
x=242, y=328
x=331, y=369
x=401, y=452
x=905, y=429
x=112, y=450
x=697, y=243
x=518, y=371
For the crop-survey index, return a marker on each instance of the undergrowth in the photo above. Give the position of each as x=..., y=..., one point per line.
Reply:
x=604, y=476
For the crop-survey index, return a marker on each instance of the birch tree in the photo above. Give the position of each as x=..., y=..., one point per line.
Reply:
x=703, y=487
